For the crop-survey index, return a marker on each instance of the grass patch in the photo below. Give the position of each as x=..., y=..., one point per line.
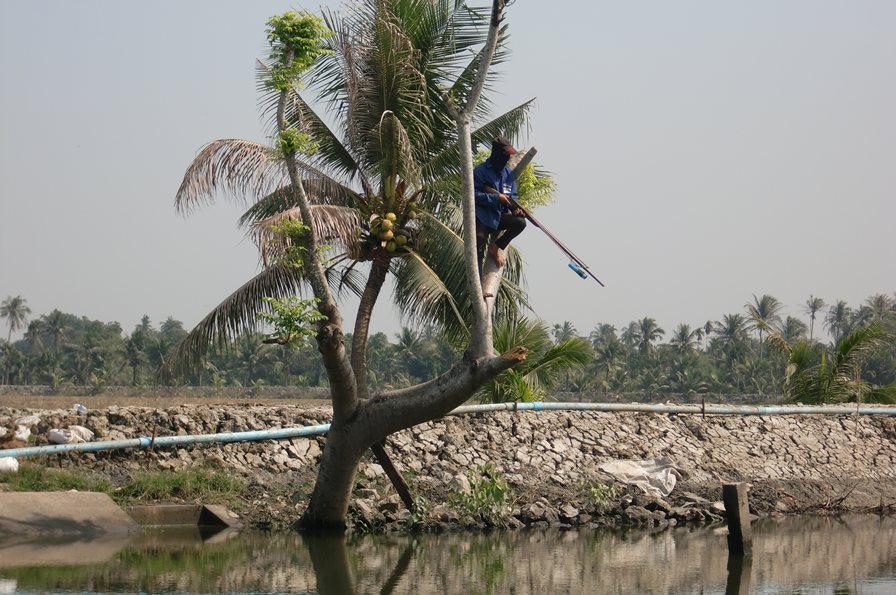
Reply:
x=198, y=485
x=35, y=478
x=190, y=484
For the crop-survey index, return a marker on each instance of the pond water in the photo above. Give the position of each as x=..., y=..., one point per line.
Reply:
x=806, y=556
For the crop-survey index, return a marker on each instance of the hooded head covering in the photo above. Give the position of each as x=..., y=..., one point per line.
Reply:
x=501, y=151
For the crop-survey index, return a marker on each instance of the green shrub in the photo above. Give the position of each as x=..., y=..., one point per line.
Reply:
x=488, y=499
x=600, y=497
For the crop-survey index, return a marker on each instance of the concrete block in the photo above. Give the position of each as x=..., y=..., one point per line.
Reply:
x=62, y=513
x=166, y=514
x=215, y=515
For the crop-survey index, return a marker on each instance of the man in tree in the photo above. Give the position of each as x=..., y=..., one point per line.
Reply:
x=495, y=185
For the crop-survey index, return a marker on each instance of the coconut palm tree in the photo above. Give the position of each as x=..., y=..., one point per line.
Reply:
x=629, y=336
x=813, y=306
x=396, y=144
x=134, y=347
x=793, y=330
x=707, y=331
x=602, y=334
x=838, y=320
x=880, y=307
x=56, y=326
x=389, y=74
x=608, y=350
x=646, y=333
x=684, y=339
x=563, y=332
x=731, y=334
x=15, y=310
x=764, y=314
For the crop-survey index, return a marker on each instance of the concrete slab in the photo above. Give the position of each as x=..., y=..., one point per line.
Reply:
x=62, y=513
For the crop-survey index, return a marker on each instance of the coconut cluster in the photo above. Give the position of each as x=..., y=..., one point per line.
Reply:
x=393, y=231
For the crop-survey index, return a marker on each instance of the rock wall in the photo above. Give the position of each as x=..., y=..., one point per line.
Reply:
x=543, y=455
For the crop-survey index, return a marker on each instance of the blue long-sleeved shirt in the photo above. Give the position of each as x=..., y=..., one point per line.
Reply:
x=489, y=207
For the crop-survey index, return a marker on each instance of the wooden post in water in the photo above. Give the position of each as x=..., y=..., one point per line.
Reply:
x=740, y=535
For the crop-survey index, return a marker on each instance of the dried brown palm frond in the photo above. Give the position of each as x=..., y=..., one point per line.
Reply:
x=237, y=314
x=337, y=226
x=243, y=168
x=318, y=191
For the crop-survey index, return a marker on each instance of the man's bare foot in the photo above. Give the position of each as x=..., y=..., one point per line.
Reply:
x=497, y=254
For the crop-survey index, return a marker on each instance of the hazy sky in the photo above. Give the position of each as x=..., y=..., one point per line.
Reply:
x=704, y=151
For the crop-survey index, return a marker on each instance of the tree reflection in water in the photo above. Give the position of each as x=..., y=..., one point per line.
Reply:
x=789, y=555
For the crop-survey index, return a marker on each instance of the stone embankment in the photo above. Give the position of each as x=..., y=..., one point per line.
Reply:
x=794, y=463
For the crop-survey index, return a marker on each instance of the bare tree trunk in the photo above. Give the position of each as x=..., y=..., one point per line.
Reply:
x=348, y=440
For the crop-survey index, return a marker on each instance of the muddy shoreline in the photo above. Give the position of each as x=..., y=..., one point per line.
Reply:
x=550, y=461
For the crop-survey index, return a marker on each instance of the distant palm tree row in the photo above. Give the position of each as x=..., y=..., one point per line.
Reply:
x=751, y=352
x=758, y=351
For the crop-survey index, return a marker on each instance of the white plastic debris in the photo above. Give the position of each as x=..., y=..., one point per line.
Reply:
x=22, y=433
x=657, y=477
x=70, y=435
x=28, y=420
x=9, y=464
x=79, y=408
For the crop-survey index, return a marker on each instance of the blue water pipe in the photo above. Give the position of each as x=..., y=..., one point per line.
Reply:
x=286, y=433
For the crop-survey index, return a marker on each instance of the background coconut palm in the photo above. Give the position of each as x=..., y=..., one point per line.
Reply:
x=817, y=375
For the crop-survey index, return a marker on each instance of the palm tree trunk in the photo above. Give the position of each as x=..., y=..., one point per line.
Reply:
x=375, y=281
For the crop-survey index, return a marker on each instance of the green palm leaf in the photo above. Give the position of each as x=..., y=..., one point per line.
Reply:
x=236, y=315
x=542, y=369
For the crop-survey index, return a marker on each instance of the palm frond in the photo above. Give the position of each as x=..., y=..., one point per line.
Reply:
x=432, y=285
x=885, y=395
x=337, y=226
x=460, y=88
x=572, y=353
x=422, y=295
x=243, y=168
x=236, y=315
x=320, y=191
x=344, y=277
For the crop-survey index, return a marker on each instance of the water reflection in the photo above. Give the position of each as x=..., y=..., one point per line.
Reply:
x=740, y=569
x=807, y=555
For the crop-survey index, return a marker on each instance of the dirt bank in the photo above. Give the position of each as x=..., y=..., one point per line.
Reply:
x=549, y=459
